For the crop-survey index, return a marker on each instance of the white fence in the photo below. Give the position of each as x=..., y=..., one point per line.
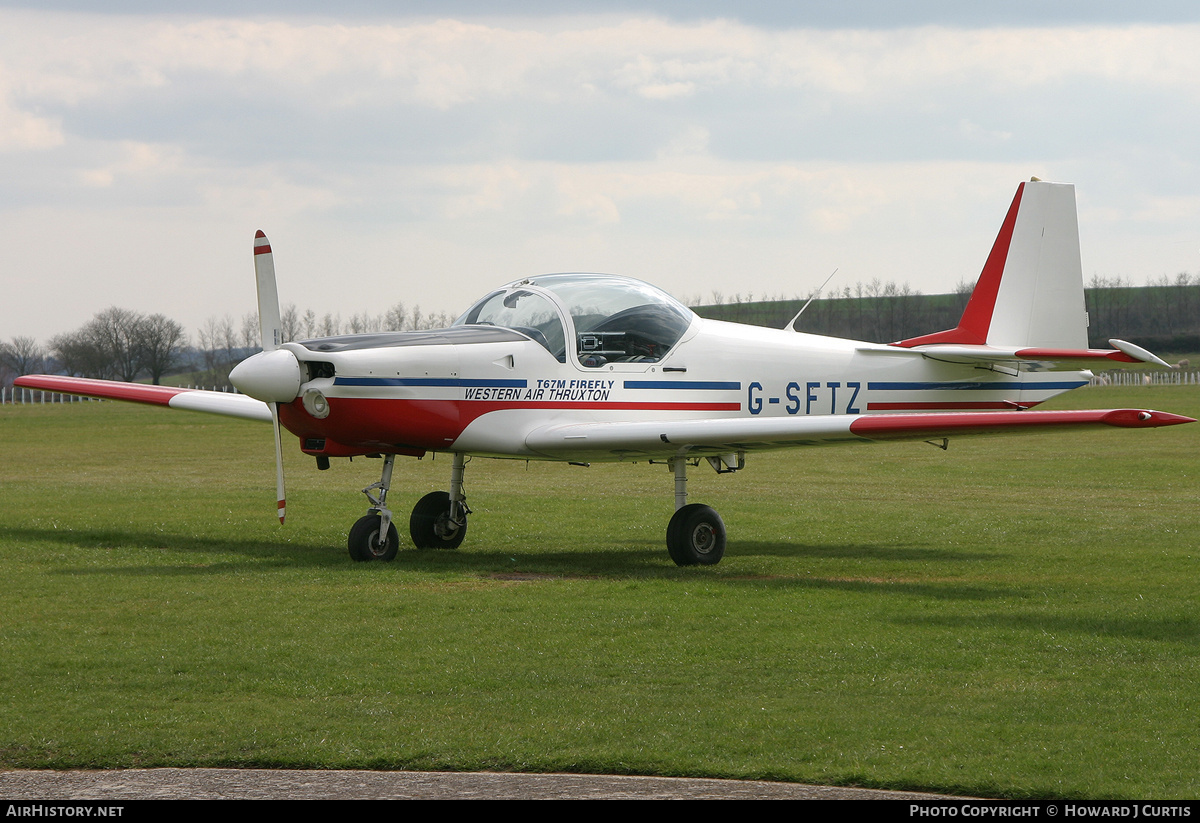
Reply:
x=13, y=394
x=1158, y=377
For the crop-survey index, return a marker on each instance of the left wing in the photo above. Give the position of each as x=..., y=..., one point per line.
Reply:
x=673, y=437
x=214, y=402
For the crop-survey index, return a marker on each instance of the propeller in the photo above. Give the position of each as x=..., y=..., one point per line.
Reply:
x=272, y=375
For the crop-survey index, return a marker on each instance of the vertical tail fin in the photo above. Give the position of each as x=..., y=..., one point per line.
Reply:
x=1030, y=293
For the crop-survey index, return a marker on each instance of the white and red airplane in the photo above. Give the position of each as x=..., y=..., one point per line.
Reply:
x=592, y=367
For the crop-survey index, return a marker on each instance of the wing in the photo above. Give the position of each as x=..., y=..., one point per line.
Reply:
x=669, y=438
x=214, y=402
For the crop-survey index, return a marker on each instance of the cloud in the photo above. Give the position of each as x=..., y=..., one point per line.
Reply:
x=24, y=130
x=687, y=151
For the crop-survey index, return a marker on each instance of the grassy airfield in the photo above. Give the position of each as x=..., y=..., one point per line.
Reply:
x=1015, y=617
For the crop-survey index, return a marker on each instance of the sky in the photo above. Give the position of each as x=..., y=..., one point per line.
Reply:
x=427, y=152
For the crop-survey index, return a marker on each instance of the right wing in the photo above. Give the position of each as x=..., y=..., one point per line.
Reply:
x=666, y=438
x=214, y=402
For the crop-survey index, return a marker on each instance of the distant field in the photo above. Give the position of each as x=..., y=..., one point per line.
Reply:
x=1012, y=617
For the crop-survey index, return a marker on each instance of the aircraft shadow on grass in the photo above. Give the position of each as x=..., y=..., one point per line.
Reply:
x=528, y=566
x=782, y=548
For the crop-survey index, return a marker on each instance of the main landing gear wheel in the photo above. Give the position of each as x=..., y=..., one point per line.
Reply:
x=696, y=536
x=365, y=543
x=430, y=525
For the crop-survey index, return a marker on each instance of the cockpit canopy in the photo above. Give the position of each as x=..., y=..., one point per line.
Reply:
x=608, y=319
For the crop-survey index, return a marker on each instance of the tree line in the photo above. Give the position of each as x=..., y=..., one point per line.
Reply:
x=119, y=344
x=1163, y=315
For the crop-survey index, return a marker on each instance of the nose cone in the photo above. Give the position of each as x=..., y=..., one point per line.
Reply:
x=270, y=376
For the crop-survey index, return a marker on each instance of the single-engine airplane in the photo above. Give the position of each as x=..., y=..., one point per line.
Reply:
x=592, y=367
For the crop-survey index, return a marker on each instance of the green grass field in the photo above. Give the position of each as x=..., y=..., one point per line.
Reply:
x=1013, y=617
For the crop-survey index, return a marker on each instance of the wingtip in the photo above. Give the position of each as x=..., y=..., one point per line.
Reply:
x=1144, y=418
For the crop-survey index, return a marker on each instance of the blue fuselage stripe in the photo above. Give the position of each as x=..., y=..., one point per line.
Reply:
x=430, y=381
x=994, y=386
x=703, y=385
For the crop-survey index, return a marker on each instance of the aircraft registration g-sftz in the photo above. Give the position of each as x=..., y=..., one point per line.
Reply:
x=589, y=367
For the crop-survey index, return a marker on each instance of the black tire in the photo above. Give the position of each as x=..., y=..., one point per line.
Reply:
x=430, y=526
x=364, y=543
x=696, y=536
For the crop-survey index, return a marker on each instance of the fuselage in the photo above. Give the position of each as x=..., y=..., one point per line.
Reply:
x=536, y=354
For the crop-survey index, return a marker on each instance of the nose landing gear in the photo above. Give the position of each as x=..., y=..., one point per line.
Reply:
x=438, y=521
x=373, y=537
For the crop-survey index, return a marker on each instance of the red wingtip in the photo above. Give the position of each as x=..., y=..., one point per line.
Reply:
x=281, y=511
x=259, y=234
x=1144, y=418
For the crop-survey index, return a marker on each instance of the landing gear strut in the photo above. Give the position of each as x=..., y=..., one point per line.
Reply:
x=696, y=533
x=373, y=537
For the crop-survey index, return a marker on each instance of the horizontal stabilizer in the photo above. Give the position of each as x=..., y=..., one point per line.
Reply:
x=1073, y=359
x=213, y=402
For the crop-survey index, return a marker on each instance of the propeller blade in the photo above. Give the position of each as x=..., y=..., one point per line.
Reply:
x=272, y=376
x=278, y=462
x=269, y=322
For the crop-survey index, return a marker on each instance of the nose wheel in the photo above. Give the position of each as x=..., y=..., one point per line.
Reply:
x=373, y=537
x=370, y=541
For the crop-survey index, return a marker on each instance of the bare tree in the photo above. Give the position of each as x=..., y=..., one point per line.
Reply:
x=78, y=354
x=394, y=319
x=251, y=332
x=115, y=332
x=161, y=342
x=363, y=323
x=219, y=344
x=23, y=355
x=330, y=325
x=290, y=322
